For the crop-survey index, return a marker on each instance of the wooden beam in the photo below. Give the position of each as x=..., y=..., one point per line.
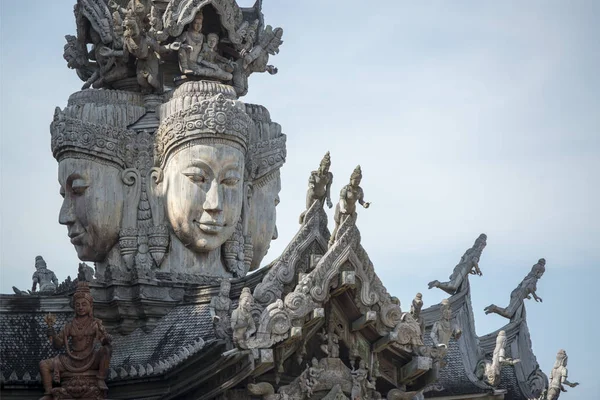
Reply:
x=415, y=368
x=367, y=319
x=385, y=341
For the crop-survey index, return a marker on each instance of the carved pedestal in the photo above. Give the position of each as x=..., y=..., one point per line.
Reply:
x=82, y=386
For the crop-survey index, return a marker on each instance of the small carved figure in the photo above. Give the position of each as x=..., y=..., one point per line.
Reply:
x=445, y=328
x=525, y=290
x=85, y=273
x=330, y=344
x=211, y=63
x=415, y=311
x=220, y=307
x=346, y=207
x=192, y=40
x=469, y=264
x=359, y=382
x=43, y=277
x=156, y=25
x=81, y=360
x=310, y=377
x=319, y=185
x=490, y=371
x=558, y=377
x=242, y=322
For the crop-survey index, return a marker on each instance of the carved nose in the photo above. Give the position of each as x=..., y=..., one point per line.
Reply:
x=275, y=233
x=66, y=215
x=214, y=198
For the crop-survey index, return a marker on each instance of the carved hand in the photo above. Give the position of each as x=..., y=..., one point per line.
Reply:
x=112, y=4
x=175, y=46
x=107, y=340
x=538, y=299
x=329, y=203
x=50, y=332
x=366, y=205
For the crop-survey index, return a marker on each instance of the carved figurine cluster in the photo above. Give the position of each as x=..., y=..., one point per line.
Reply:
x=135, y=47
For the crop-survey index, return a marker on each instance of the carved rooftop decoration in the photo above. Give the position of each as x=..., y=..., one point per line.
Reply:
x=170, y=187
x=42, y=277
x=526, y=289
x=558, y=377
x=469, y=264
x=346, y=207
x=319, y=186
x=149, y=45
x=490, y=371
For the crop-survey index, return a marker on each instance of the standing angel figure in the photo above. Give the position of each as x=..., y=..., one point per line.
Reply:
x=558, y=377
x=346, y=207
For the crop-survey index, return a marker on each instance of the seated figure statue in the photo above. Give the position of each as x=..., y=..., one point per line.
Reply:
x=82, y=368
x=43, y=277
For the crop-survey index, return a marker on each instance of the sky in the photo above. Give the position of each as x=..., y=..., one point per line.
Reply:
x=466, y=117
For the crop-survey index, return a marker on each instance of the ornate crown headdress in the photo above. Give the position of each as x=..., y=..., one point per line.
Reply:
x=191, y=115
x=94, y=124
x=83, y=291
x=357, y=173
x=267, y=150
x=326, y=161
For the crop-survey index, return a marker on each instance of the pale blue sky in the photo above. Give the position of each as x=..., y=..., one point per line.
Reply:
x=466, y=117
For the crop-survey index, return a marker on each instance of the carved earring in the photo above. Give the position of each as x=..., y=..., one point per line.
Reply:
x=158, y=233
x=128, y=233
x=248, y=246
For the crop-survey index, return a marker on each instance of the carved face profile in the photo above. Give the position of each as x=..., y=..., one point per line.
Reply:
x=197, y=22
x=263, y=217
x=202, y=193
x=93, y=205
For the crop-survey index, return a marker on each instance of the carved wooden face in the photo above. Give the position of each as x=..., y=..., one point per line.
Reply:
x=82, y=307
x=262, y=225
x=92, y=207
x=202, y=193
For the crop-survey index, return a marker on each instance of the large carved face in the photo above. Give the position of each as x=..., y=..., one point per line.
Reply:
x=202, y=193
x=92, y=207
x=263, y=218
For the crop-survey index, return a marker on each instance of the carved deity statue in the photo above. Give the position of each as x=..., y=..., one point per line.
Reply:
x=330, y=344
x=415, y=311
x=526, y=289
x=43, y=277
x=83, y=368
x=211, y=63
x=242, y=322
x=489, y=371
x=558, y=377
x=310, y=377
x=220, y=308
x=200, y=152
x=319, y=185
x=445, y=328
x=346, y=207
x=192, y=40
x=469, y=264
x=359, y=381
